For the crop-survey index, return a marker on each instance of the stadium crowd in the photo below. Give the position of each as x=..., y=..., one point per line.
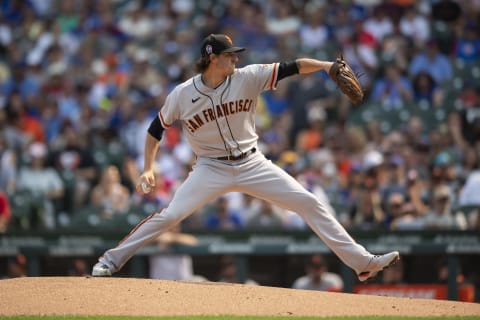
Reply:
x=80, y=82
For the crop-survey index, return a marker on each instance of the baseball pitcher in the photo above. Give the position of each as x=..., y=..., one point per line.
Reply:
x=216, y=109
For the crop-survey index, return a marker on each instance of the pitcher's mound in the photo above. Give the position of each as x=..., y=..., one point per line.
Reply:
x=147, y=297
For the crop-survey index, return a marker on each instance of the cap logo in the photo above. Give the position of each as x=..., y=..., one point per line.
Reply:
x=229, y=40
x=208, y=49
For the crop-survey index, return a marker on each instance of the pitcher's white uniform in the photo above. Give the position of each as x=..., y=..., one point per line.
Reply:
x=220, y=122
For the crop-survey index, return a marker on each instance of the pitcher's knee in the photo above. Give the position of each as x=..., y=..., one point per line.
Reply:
x=311, y=204
x=168, y=218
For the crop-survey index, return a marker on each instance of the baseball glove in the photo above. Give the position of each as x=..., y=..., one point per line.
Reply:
x=346, y=80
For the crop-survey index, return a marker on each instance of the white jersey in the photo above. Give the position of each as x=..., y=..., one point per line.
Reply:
x=220, y=122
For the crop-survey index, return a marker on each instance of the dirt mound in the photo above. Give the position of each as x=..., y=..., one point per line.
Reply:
x=147, y=297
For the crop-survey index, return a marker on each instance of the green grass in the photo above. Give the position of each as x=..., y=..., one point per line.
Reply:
x=227, y=318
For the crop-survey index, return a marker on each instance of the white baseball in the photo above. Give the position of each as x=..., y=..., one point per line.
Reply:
x=145, y=187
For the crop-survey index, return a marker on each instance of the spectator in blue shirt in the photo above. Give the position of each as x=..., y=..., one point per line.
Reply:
x=467, y=46
x=222, y=218
x=393, y=89
x=432, y=61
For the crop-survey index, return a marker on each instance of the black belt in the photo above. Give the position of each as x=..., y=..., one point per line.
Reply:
x=239, y=157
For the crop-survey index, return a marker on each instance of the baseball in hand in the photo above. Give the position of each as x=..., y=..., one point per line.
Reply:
x=146, y=188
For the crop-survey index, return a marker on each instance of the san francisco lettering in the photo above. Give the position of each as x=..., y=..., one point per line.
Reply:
x=219, y=111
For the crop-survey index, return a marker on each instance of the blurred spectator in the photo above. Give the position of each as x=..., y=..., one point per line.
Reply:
x=221, y=217
x=373, y=164
x=282, y=22
x=469, y=194
x=170, y=266
x=415, y=25
x=357, y=144
x=350, y=193
x=136, y=22
x=394, y=274
x=22, y=128
x=17, y=266
x=409, y=218
x=50, y=120
x=441, y=215
x=8, y=166
x=446, y=10
x=79, y=268
x=301, y=95
x=343, y=18
x=368, y=213
x=393, y=90
x=266, y=218
x=43, y=183
x=393, y=207
x=379, y=24
x=321, y=178
x=68, y=18
x=426, y=90
x=442, y=170
x=19, y=82
x=443, y=272
x=76, y=165
x=110, y=194
x=417, y=188
x=318, y=277
x=277, y=101
x=275, y=138
x=395, y=49
x=416, y=136
x=5, y=33
x=230, y=273
x=146, y=78
x=467, y=45
x=395, y=177
x=5, y=214
x=69, y=103
x=474, y=220
x=314, y=33
x=433, y=62
x=468, y=163
x=467, y=118
x=131, y=135
x=311, y=138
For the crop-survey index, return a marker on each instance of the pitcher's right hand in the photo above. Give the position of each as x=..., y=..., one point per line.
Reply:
x=146, y=182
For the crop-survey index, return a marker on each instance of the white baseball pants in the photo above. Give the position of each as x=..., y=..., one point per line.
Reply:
x=254, y=175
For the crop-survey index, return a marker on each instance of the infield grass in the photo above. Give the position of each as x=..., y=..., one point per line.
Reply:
x=228, y=318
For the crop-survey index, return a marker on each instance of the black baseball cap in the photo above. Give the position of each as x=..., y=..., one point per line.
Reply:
x=218, y=43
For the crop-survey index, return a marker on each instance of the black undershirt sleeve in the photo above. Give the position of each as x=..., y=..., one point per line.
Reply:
x=156, y=129
x=287, y=69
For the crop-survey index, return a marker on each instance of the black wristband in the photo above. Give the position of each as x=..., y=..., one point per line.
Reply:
x=287, y=69
x=156, y=129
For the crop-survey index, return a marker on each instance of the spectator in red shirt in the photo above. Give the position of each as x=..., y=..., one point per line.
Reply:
x=5, y=214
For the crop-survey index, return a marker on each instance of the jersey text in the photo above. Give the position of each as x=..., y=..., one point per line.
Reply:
x=219, y=111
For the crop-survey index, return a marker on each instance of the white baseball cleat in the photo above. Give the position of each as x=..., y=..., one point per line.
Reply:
x=377, y=264
x=101, y=270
